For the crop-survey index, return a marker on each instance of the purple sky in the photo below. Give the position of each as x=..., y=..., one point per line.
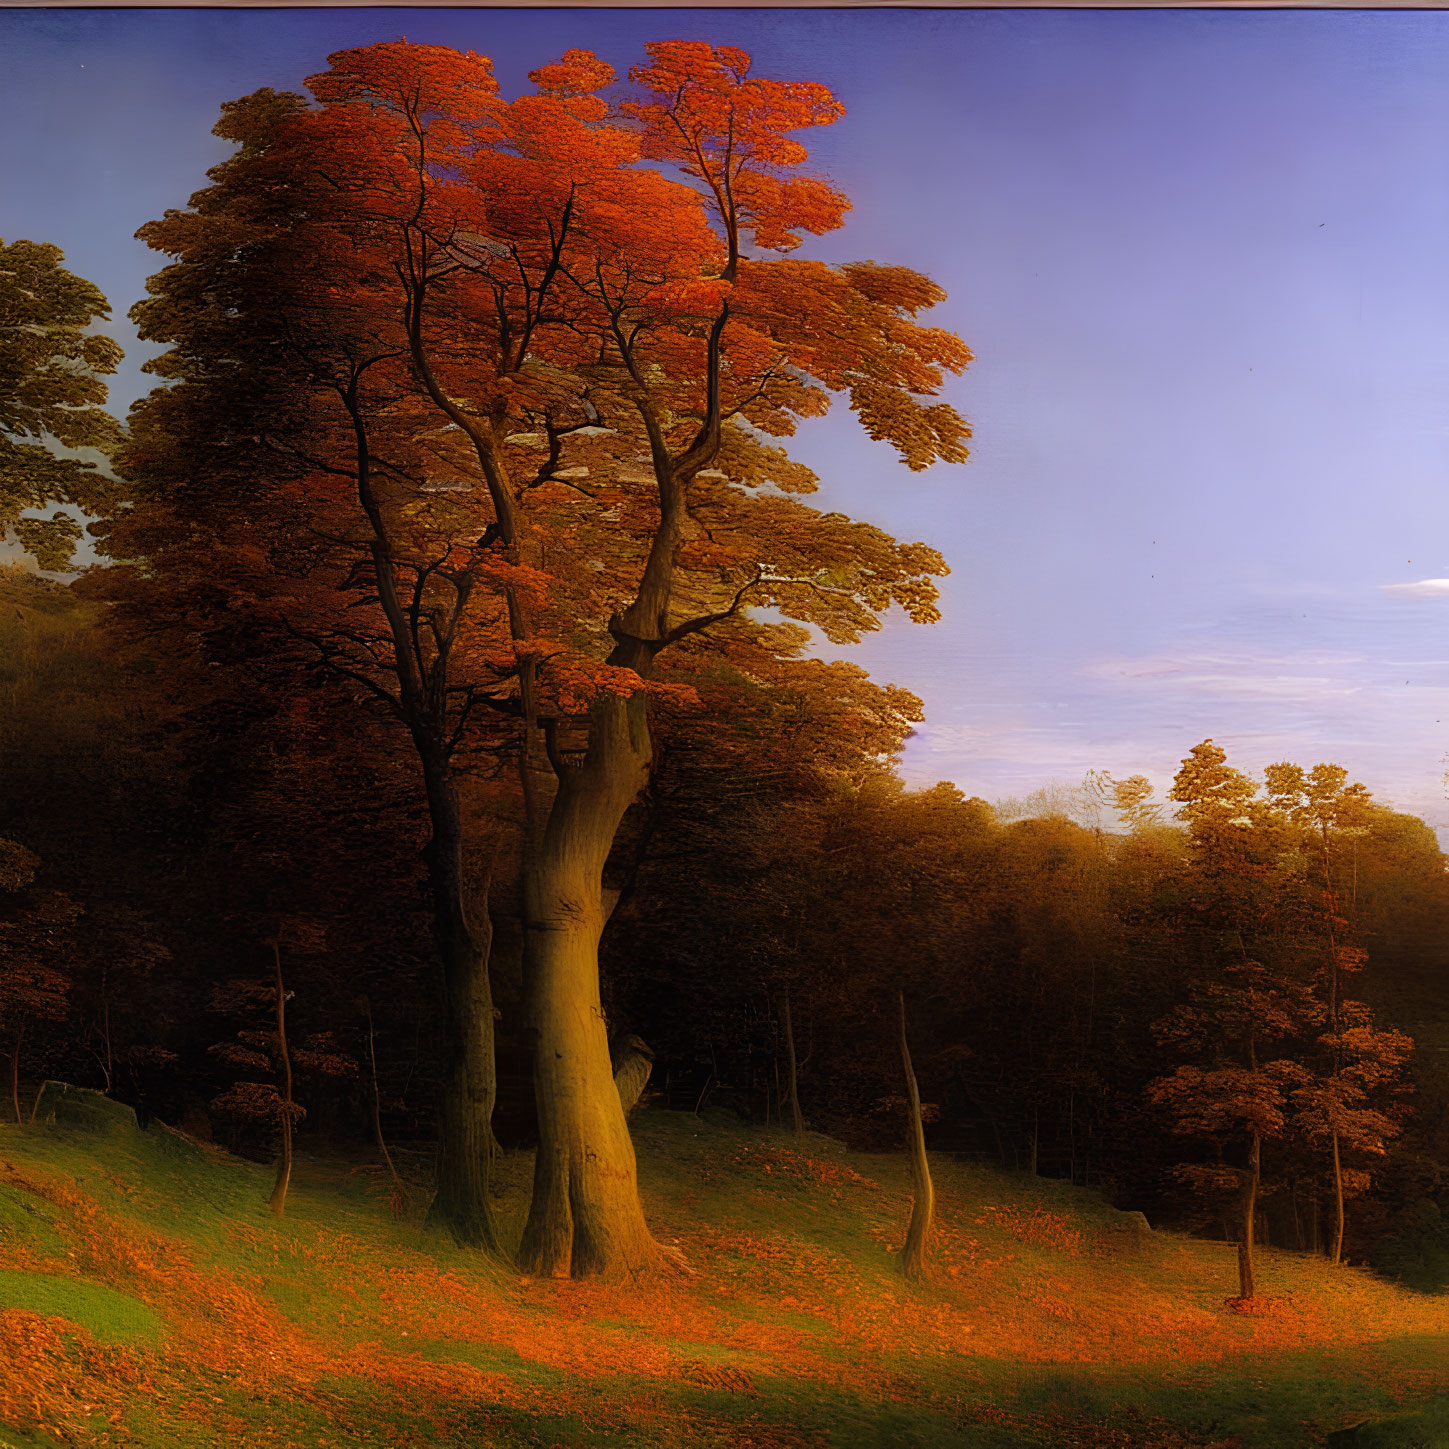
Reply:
x=1202, y=258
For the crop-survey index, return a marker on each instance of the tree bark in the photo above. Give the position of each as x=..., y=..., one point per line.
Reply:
x=797, y=1122
x=1336, y=1255
x=469, y=1084
x=377, y=1100
x=1249, y=1215
x=632, y=1063
x=278, y=1202
x=15, y=1074
x=585, y=1217
x=106, y=1026
x=923, y=1201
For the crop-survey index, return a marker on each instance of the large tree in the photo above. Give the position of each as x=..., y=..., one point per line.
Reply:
x=592, y=309
x=583, y=308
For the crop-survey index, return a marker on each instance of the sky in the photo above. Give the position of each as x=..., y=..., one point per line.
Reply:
x=1202, y=259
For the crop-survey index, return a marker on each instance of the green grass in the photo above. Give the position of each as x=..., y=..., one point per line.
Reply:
x=108, y=1316
x=179, y=1309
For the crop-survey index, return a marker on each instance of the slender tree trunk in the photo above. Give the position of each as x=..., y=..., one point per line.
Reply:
x=923, y=1193
x=1248, y=1219
x=585, y=1217
x=377, y=1099
x=792, y=1073
x=106, y=1025
x=278, y=1203
x=1035, y=1139
x=1336, y=1254
x=469, y=1084
x=15, y=1074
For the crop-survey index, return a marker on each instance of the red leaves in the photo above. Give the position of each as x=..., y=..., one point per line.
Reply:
x=257, y=1102
x=576, y=73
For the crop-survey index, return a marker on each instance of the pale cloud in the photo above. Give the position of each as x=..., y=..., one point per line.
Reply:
x=1280, y=677
x=1423, y=589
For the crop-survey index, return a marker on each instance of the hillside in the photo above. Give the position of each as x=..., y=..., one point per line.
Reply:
x=146, y=1298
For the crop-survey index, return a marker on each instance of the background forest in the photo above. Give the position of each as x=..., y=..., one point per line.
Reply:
x=1042, y=944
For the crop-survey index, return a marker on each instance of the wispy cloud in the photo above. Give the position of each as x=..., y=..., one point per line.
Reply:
x=1422, y=589
x=1281, y=677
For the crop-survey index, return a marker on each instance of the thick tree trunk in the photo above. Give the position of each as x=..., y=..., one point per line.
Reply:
x=278, y=1202
x=1336, y=1255
x=469, y=1084
x=923, y=1200
x=1248, y=1220
x=792, y=1075
x=585, y=1217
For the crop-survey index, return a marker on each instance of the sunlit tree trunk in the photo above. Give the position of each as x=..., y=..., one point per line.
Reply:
x=923, y=1200
x=585, y=1217
x=632, y=1063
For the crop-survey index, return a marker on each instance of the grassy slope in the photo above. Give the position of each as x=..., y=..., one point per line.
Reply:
x=145, y=1295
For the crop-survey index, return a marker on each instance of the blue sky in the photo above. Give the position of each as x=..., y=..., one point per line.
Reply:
x=1202, y=258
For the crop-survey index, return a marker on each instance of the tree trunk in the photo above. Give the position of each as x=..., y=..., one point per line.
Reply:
x=1248, y=1217
x=106, y=1026
x=469, y=1082
x=1336, y=1254
x=632, y=1061
x=278, y=1203
x=1035, y=1139
x=15, y=1074
x=797, y=1122
x=923, y=1199
x=585, y=1217
x=377, y=1099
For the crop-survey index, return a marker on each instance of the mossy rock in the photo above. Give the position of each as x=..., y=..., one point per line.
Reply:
x=79, y=1109
x=172, y=1143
